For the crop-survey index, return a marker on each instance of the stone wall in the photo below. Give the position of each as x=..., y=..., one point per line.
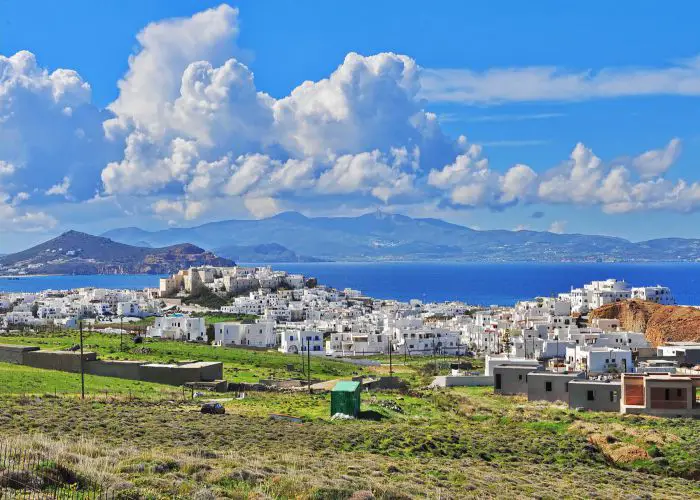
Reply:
x=68, y=361
x=65, y=361
x=15, y=353
x=130, y=370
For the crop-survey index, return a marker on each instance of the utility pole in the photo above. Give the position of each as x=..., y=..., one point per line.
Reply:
x=82, y=363
x=308, y=361
x=391, y=366
x=121, y=332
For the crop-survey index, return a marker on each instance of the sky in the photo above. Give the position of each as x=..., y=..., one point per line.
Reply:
x=578, y=118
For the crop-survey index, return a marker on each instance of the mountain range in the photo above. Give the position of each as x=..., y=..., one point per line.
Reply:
x=381, y=236
x=80, y=253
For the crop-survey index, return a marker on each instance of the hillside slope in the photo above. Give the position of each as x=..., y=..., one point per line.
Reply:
x=659, y=323
x=80, y=253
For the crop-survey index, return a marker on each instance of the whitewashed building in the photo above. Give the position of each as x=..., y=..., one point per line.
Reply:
x=258, y=334
x=659, y=294
x=178, y=327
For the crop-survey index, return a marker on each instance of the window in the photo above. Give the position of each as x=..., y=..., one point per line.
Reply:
x=667, y=394
x=520, y=377
x=590, y=396
x=613, y=396
x=679, y=393
x=498, y=381
x=548, y=386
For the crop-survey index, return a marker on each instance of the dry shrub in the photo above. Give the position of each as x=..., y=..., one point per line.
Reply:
x=626, y=453
x=616, y=451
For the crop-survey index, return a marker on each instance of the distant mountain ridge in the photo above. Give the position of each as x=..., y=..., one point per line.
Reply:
x=74, y=252
x=380, y=236
x=263, y=253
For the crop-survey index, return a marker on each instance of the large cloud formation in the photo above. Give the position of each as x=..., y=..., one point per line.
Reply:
x=194, y=124
x=49, y=132
x=192, y=133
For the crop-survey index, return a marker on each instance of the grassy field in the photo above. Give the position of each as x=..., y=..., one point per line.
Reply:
x=438, y=444
x=448, y=443
x=34, y=381
x=240, y=365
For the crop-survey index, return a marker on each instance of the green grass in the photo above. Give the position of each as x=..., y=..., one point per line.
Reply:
x=446, y=443
x=240, y=364
x=17, y=379
x=211, y=319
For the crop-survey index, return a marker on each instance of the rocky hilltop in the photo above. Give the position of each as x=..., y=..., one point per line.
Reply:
x=74, y=252
x=659, y=323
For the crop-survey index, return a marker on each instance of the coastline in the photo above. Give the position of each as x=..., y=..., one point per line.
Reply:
x=473, y=283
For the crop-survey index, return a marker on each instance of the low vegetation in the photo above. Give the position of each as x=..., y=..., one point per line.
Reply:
x=25, y=380
x=447, y=443
x=240, y=365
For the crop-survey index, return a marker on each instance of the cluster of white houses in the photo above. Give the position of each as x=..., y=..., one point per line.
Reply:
x=64, y=307
x=539, y=347
x=599, y=293
x=295, y=314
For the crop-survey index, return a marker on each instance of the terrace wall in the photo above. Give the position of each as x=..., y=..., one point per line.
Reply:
x=68, y=361
x=15, y=353
x=65, y=361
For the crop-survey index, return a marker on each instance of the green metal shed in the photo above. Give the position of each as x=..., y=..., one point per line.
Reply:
x=345, y=398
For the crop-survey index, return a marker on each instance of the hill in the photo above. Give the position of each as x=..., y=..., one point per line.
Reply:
x=80, y=253
x=380, y=236
x=659, y=323
x=263, y=253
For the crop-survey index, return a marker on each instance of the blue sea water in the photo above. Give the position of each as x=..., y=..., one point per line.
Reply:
x=484, y=284
x=38, y=283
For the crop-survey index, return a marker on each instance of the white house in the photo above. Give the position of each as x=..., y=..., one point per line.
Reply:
x=297, y=341
x=599, y=359
x=178, y=327
x=258, y=334
x=659, y=294
x=628, y=340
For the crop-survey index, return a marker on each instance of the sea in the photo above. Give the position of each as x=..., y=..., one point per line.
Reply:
x=473, y=283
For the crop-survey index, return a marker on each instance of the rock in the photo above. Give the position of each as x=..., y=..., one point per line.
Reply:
x=390, y=405
x=213, y=409
x=659, y=323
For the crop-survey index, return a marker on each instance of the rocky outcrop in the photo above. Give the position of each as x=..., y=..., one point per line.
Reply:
x=659, y=323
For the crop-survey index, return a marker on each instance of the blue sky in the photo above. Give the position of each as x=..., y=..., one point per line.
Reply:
x=523, y=83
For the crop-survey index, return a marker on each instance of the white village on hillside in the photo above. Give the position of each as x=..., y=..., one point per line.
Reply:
x=545, y=347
